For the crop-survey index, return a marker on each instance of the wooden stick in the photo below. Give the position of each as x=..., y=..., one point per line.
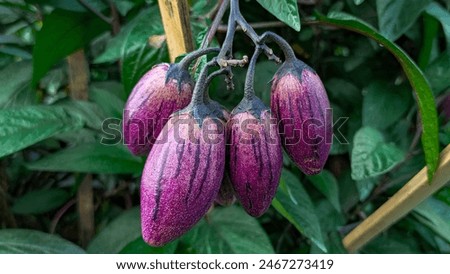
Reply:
x=406, y=199
x=175, y=17
x=78, y=69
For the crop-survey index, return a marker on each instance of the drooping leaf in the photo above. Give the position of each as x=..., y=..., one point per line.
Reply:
x=24, y=241
x=231, y=231
x=91, y=158
x=22, y=127
x=371, y=156
x=396, y=17
x=285, y=10
x=63, y=32
x=421, y=87
x=40, y=201
x=293, y=202
x=327, y=184
x=124, y=235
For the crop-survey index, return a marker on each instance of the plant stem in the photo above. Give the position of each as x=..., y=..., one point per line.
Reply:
x=213, y=28
x=234, y=20
x=215, y=24
x=96, y=12
x=200, y=87
x=249, y=90
x=283, y=44
x=188, y=59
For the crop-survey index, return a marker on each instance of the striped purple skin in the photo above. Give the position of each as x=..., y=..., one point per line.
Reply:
x=149, y=107
x=181, y=178
x=255, y=160
x=299, y=101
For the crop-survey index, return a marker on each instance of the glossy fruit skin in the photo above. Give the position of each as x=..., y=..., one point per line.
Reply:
x=300, y=103
x=255, y=156
x=181, y=177
x=159, y=93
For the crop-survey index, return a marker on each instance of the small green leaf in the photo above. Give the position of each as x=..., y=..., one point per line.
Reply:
x=293, y=202
x=421, y=87
x=371, y=156
x=327, y=184
x=122, y=231
x=91, y=158
x=63, y=32
x=22, y=127
x=285, y=10
x=396, y=17
x=384, y=104
x=24, y=241
x=231, y=231
x=40, y=201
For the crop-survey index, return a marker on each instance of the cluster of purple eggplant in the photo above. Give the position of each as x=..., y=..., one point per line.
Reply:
x=199, y=153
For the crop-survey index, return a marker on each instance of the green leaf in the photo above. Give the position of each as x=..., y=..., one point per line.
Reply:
x=24, y=241
x=229, y=231
x=365, y=187
x=443, y=16
x=14, y=79
x=105, y=97
x=63, y=32
x=438, y=72
x=138, y=246
x=327, y=184
x=435, y=215
x=371, y=156
x=396, y=17
x=138, y=56
x=91, y=158
x=421, y=87
x=70, y=5
x=40, y=201
x=285, y=10
x=384, y=104
x=22, y=127
x=293, y=202
x=124, y=6
x=123, y=235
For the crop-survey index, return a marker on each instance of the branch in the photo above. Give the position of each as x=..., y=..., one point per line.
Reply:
x=96, y=12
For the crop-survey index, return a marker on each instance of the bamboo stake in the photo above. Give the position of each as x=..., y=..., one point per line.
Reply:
x=406, y=199
x=175, y=17
x=78, y=68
